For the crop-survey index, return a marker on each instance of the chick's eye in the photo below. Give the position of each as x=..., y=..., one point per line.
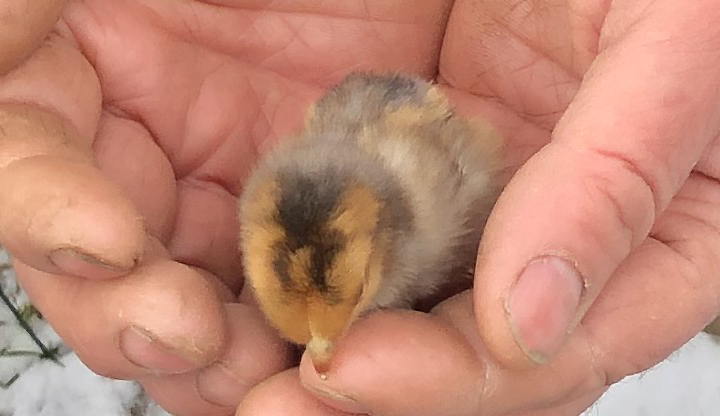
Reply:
x=280, y=265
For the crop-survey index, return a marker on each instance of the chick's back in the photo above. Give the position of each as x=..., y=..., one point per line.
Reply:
x=446, y=167
x=432, y=170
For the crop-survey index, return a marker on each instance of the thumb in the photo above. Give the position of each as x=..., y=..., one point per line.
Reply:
x=575, y=211
x=60, y=213
x=25, y=26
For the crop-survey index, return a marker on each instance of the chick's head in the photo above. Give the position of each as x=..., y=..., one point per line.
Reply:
x=313, y=249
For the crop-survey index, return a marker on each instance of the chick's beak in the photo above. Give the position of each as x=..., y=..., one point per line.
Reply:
x=326, y=323
x=320, y=350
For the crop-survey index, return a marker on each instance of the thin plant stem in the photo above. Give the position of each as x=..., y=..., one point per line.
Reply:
x=46, y=353
x=10, y=382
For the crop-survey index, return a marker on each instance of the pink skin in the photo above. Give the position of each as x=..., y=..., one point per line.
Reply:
x=119, y=175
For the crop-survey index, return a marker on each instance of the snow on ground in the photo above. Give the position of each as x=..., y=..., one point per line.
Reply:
x=688, y=383
x=48, y=389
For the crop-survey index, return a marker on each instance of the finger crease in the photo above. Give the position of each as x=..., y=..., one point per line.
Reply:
x=634, y=169
x=621, y=215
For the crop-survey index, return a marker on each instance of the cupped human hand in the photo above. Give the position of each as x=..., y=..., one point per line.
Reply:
x=600, y=258
x=126, y=131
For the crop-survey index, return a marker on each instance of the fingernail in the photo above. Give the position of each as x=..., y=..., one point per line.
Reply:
x=337, y=400
x=142, y=348
x=542, y=306
x=76, y=262
x=219, y=386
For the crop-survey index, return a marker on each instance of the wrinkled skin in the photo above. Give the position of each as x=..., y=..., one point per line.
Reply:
x=127, y=132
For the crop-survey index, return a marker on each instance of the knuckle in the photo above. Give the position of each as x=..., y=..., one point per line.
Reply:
x=628, y=191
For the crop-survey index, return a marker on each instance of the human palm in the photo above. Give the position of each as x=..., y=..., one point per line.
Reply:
x=178, y=99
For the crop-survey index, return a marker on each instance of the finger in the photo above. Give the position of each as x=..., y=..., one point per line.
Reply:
x=129, y=156
x=59, y=80
x=283, y=395
x=255, y=352
x=60, y=215
x=59, y=212
x=162, y=318
x=25, y=25
x=578, y=207
x=205, y=231
x=178, y=395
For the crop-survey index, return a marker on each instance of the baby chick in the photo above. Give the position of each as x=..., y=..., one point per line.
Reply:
x=379, y=202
